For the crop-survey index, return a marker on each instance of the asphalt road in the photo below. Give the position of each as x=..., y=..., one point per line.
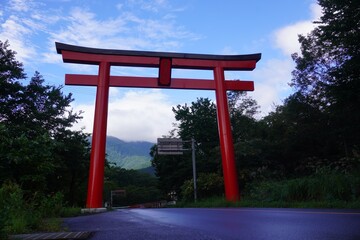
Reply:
x=228, y=223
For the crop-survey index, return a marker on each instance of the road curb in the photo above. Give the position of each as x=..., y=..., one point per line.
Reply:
x=52, y=236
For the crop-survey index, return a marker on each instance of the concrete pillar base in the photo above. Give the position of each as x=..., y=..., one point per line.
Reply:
x=93, y=210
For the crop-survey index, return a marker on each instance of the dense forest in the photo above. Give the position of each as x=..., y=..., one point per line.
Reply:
x=313, y=135
x=44, y=164
x=307, y=148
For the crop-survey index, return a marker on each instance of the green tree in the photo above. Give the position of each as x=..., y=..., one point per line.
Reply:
x=199, y=120
x=208, y=185
x=250, y=144
x=140, y=187
x=171, y=170
x=36, y=143
x=296, y=132
x=328, y=69
x=72, y=155
x=11, y=74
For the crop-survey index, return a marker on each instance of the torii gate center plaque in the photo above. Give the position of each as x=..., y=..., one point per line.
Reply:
x=165, y=62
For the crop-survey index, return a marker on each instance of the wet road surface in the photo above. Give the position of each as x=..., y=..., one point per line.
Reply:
x=227, y=223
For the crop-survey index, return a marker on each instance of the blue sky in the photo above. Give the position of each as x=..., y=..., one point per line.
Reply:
x=193, y=26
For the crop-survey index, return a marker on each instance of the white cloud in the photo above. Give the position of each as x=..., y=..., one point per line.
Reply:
x=80, y=26
x=14, y=30
x=21, y=5
x=83, y=28
x=273, y=76
x=149, y=5
x=228, y=51
x=316, y=11
x=138, y=115
x=127, y=31
x=114, y=92
x=271, y=83
x=286, y=38
x=20, y=23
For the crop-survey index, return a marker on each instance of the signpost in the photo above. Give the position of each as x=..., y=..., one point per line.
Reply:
x=174, y=146
x=170, y=146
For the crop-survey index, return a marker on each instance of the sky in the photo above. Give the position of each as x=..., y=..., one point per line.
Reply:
x=189, y=26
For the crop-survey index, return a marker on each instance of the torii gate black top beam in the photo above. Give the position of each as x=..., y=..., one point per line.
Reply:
x=72, y=48
x=165, y=61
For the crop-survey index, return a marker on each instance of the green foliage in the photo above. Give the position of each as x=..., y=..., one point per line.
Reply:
x=172, y=170
x=208, y=185
x=322, y=187
x=51, y=205
x=22, y=214
x=138, y=194
x=198, y=121
x=50, y=225
x=70, y=212
x=290, y=134
x=73, y=154
x=220, y=202
x=315, y=130
x=139, y=187
x=210, y=202
x=327, y=73
x=18, y=217
x=37, y=149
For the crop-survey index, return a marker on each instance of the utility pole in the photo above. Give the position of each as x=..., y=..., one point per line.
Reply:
x=194, y=167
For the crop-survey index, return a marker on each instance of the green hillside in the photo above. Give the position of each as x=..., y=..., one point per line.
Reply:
x=128, y=155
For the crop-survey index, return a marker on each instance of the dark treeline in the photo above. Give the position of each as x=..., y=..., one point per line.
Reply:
x=38, y=151
x=44, y=164
x=315, y=131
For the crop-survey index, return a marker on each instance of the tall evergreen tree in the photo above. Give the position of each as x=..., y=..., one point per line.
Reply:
x=37, y=148
x=328, y=69
x=11, y=75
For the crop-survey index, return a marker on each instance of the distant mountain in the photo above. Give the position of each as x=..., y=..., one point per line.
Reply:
x=149, y=170
x=128, y=155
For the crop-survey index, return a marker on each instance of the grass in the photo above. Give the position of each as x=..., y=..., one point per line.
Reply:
x=38, y=213
x=219, y=202
x=323, y=190
x=70, y=212
x=51, y=225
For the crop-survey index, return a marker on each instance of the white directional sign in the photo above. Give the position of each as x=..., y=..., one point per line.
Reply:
x=170, y=146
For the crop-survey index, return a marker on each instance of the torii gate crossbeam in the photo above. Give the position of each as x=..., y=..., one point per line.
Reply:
x=165, y=61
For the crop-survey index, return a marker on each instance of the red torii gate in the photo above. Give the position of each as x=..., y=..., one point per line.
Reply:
x=165, y=61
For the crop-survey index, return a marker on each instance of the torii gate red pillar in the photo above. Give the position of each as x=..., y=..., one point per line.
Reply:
x=98, y=143
x=225, y=136
x=105, y=58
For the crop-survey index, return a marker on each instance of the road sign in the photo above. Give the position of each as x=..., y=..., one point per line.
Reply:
x=170, y=146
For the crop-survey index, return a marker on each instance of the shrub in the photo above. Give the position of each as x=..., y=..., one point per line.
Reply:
x=51, y=205
x=70, y=212
x=324, y=186
x=20, y=215
x=208, y=185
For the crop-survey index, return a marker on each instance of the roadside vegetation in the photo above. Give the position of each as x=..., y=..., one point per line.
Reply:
x=139, y=187
x=43, y=163
x=41, y=213
x=327, y=189
x=305, y=153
